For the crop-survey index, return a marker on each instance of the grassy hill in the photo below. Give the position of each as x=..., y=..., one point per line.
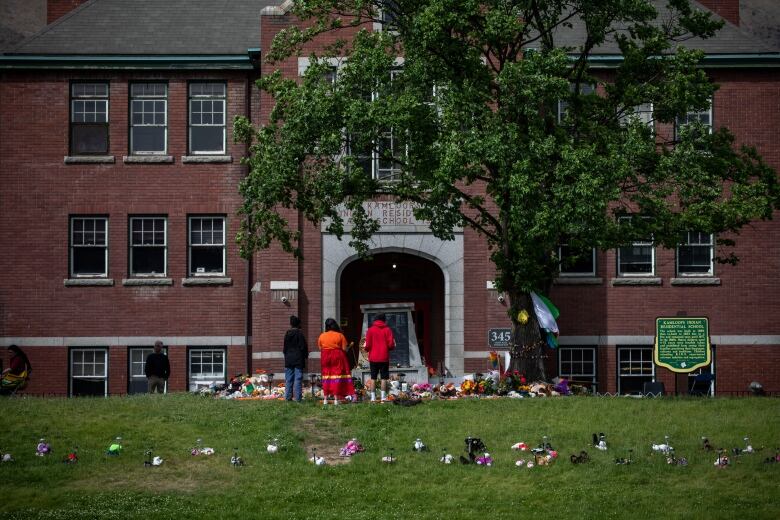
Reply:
x=286, y=485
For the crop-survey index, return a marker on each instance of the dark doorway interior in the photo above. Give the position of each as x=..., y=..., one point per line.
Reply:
x=393, y=278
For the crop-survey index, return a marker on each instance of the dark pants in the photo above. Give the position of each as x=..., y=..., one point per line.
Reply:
x=156, y=383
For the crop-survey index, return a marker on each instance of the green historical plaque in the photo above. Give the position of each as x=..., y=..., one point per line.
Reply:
x=682, y=344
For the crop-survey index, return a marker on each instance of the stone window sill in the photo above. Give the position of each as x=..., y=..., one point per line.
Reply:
x=89, y=159
x=206, y=159
x=578, y=280
x=148, y=159
x=704, y=280
x=147, y=281
x=88, y=282
x=636, y=280
x=207, y=280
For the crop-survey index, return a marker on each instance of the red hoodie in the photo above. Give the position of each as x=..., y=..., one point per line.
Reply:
x=379, y=342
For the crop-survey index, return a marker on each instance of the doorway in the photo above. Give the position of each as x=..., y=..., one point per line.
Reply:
x=394, y=278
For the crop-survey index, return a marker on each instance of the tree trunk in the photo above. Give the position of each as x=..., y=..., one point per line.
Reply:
x=527, y=343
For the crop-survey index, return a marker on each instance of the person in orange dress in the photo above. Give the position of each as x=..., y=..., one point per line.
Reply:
x=336, y=376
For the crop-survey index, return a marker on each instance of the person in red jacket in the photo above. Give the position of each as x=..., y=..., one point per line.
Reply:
x=379, y=343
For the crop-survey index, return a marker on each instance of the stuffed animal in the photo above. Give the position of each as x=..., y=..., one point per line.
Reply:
x=273, y=446
x=663, y=448
x=419, y=446
x=723, y=460
x=389, y=459
x=157, y=461
x=625, y=460
x=446, y=458
x=7, y=457
x=43, y=448
x=235, y=460
x=318, y=461
x=350, y=448
x=114, y=449
x=706, y=446
x=520, y=446
x=474, y=445
x=600, y=442
x=581, y=458
x=71, y=458
x=485, y=460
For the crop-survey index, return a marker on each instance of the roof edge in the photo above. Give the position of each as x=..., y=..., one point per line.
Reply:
x=737, y=60
x=49, y=61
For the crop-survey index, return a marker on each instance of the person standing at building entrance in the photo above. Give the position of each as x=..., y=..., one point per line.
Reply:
x=157, y=369
x=336, y=376
x=295, y=354
x=379, y=343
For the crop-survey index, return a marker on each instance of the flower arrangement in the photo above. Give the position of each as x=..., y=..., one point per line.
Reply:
x=468, y=387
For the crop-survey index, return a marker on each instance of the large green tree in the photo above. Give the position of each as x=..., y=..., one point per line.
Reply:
x=483, y=113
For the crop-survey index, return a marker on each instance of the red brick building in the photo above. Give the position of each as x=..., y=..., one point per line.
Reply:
x=119, y=196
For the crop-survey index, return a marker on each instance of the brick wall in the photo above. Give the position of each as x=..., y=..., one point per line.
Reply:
x=40, y=192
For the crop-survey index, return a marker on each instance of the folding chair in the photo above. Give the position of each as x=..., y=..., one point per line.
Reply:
x=702, y=384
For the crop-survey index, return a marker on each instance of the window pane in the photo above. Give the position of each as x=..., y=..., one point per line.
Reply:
x=89, y=261
x=636, y=259
x=148, y=139
x=207, y=260
x=89, y=139
x=207, y=139
x=148, y=260
x=576, y=262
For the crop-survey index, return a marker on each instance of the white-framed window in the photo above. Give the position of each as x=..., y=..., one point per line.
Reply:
x=695, y=254
x=88, y=247
x=635, y=368
x=642, y=113
x=206, y=246
x=578, y=364
x=89, y=118
x=382, y=159
x=703, y=117
x=136, y=366
x=386, y=16
x=148, y=246
x=576, y=263
x=88, y=371
x=389, y=154
x=148, y=118
x=637, y=259
x=206, y=366
x=563, y=104
x=207, y=117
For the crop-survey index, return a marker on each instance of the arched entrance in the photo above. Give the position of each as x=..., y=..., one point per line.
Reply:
x=393, y=278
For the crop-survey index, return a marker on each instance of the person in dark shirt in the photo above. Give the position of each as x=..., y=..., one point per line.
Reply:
x=296, y=351
x=157, y=369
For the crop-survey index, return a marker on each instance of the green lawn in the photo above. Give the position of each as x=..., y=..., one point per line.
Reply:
x=286, y=485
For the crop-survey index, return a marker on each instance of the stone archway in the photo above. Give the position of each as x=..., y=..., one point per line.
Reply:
x=447, y=255
x=397, y=278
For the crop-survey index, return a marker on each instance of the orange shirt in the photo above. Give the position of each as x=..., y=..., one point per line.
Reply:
x=332, y=340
